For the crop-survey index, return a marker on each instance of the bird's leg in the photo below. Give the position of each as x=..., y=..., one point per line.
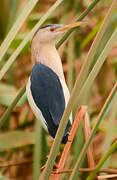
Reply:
x=82, y=114
x=43, y=167
x=71, y=136
x=54, y=168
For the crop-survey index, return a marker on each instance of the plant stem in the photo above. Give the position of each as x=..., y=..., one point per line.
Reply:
x=14, y=102
x=27, y=38
x=110, y=127
x=16, y=53
x=89, y=59
x=37, y=150
x=102, y=114
x=55, y=148
x=81, y=17
x=101, y=162
x=15, y=28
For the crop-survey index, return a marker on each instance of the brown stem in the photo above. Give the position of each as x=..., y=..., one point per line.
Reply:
x=87, y=131
x=107, y=176
x=106, y=170
x=81, y=114
x=72, y=133
x=15, y=164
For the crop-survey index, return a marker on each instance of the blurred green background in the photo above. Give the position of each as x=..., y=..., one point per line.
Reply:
x=21, y=132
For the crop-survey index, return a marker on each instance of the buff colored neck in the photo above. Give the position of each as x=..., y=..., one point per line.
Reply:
x=48, y=55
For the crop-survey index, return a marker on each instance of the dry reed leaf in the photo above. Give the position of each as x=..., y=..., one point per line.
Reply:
x=107, y=176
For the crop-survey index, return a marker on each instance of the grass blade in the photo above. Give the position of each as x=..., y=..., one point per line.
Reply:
x=70, y=60
x=15, y=139
x=81, y=17
x=104, y=158
x=89, y=60
x=91, y=35
x=102, y=114
x=89, y=63
x=96, y=68
x=13, y=6
x=15, y=28
x=110, y=127
x=13, y=11
x=18, y=50
x=3, y=18
x=61, y=129
x=37, y=150
x=27, y=38
x=14, y=102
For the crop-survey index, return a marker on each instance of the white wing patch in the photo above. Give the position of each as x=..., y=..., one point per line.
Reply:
x=34, y=108
x=66, y=95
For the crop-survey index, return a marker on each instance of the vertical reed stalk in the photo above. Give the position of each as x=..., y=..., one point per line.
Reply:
x=101, y=162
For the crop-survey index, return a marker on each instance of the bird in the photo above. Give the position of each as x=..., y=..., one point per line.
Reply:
x=46, y=89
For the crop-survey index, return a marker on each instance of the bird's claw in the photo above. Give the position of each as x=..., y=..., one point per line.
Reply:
x=69, y=137
x=54, y=168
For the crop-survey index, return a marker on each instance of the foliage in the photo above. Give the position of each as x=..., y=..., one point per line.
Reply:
x=90, y=66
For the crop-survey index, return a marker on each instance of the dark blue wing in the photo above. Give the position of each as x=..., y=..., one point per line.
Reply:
x=48, y=95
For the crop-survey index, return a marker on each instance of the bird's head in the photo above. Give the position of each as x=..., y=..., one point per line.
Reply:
x=48, y=33
x=43, y=42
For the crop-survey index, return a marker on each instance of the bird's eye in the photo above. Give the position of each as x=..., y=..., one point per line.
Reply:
x=51, y=29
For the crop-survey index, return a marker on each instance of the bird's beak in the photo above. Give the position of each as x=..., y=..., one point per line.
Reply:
x=69, y=26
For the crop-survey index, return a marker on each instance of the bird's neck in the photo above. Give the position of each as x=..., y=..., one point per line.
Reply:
x=48, y=55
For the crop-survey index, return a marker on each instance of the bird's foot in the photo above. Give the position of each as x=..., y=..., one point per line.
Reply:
x=42, y=168
x=70, y=139
x=54, y=168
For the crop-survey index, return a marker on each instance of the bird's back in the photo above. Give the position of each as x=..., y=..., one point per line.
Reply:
x=48, y=98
